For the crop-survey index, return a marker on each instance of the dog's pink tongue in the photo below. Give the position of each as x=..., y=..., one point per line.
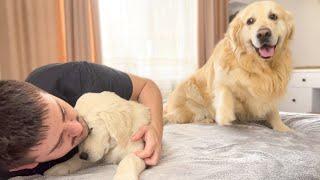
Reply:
x=266, y=52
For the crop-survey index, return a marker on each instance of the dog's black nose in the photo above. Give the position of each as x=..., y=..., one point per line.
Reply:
x=264, y=35
x=84, y=156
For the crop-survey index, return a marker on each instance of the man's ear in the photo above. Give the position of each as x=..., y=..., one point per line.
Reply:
x=26, y=166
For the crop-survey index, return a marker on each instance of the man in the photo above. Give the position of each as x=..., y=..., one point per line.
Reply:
x=39, y=127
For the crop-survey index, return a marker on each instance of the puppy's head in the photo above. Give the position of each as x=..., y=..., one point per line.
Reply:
x=262, y=30
x=98, y=142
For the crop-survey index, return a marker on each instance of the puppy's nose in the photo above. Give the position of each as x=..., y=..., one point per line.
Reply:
x=84, y=156
x=264, y=35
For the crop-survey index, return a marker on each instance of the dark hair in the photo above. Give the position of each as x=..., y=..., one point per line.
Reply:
x=22, y=110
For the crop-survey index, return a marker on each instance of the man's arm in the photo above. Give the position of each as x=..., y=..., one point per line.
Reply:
x=147, y=92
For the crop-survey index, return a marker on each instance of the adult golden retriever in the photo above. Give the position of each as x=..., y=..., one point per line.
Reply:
x=245, y=76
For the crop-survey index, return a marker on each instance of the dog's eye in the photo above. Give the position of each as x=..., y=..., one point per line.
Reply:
x=250, y=21
x=273, y=16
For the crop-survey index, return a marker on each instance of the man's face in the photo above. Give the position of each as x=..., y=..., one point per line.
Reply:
x=65, y=131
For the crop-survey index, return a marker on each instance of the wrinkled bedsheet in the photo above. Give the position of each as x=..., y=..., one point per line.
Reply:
x=241, y=151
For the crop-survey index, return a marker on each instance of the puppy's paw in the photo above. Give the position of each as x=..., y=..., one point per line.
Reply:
x=225, y=119
x=59, y=170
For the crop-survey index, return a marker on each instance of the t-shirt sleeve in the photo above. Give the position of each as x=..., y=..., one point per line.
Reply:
x=60, y=80
x=71, y=80
x=98, y=78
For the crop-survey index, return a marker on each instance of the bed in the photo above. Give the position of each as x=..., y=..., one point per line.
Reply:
x=241, y=151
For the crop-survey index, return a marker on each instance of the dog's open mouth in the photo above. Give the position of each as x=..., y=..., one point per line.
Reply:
x=266, y=51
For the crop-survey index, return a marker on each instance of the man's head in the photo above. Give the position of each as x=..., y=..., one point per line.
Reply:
x=35, y=126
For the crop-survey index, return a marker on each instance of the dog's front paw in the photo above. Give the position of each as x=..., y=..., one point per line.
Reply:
x=282, y=128
x=125, y=176
x=205, y=121
x=59, y=170
x=225, y=119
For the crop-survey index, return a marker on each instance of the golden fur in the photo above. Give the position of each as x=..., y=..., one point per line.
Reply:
x=237, y=83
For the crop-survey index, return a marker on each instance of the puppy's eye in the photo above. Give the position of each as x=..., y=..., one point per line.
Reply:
x=251, y=21
x=273, y=17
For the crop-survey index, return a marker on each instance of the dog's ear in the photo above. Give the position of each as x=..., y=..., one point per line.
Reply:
x=233, y=32
x=97, y=142
x=232, y=16
x=290, y=25
x=118, y=122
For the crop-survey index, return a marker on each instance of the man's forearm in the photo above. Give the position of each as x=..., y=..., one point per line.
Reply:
x=151, y=97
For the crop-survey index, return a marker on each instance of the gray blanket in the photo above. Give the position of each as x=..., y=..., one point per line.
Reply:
x=242, y=151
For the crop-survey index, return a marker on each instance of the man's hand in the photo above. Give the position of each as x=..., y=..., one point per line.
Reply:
x=152, y=150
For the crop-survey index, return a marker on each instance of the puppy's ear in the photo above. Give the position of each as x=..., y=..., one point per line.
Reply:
x=290, y=25
x=118, y=122
x=233, y=32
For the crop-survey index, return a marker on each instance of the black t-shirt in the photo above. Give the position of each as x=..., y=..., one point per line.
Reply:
x=71, y=80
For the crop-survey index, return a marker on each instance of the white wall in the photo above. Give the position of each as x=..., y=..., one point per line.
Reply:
x=306, y=43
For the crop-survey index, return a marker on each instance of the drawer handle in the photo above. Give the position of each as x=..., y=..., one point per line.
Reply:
x=304, y=80
x=294, y=100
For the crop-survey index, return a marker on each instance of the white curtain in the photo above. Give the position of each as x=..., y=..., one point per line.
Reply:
x=156, y=39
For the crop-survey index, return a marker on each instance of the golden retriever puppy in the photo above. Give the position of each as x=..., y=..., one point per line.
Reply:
x=245, y=76
x=112, y=121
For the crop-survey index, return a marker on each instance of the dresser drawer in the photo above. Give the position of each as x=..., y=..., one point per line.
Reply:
x=297, y=100
x=305, y=79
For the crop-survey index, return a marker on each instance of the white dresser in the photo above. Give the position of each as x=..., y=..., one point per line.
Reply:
x=303, y=94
